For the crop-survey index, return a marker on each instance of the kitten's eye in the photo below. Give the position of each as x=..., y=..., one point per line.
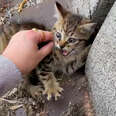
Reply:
x=58, y=35
x=72, y=40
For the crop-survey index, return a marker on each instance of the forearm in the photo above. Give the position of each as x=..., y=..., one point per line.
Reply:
x=10, y=76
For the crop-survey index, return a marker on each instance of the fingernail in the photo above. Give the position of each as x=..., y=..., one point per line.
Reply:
x=35, y=29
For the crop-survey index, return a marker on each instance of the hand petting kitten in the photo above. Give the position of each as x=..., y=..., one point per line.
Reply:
x=23, y=49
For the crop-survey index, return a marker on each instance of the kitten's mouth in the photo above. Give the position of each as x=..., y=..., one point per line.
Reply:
x=65, y=52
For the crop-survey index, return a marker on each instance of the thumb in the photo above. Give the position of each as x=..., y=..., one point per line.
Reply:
x=45, y=50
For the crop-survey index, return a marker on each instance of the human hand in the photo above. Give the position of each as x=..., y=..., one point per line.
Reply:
x=23, y=49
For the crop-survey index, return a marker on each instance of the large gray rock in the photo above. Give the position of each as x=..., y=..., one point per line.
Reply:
x=101, y=67
x=44, y=11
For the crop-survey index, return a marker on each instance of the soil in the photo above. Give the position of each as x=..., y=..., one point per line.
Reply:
x=18, y=102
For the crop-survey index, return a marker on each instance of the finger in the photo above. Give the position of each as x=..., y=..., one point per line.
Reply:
x=44, y=51
x=44, y=36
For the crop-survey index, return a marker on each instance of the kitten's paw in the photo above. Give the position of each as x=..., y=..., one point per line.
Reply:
x=51, y=86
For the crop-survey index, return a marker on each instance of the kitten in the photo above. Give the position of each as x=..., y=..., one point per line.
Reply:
x=71, y=36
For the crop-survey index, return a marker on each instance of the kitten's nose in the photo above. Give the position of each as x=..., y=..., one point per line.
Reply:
x=62, y=44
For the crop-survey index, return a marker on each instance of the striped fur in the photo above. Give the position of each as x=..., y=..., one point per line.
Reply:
x=60, y=65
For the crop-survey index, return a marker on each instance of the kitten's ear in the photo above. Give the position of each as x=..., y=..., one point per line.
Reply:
x=89, y=27
x=60, y=10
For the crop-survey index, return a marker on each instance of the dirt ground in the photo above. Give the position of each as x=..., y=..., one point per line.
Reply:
x=75, y=100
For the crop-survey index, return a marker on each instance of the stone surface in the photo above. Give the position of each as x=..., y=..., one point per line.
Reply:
x=100, y=11
x=84, y=7
x=101, y=67
x=94, y=9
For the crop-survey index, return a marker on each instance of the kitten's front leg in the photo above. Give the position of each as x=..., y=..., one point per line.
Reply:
x=51, y=85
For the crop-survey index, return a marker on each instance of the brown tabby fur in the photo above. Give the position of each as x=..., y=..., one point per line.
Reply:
x=71, y=35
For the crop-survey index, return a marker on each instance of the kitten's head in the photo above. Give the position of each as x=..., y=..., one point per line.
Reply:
x=71, y=31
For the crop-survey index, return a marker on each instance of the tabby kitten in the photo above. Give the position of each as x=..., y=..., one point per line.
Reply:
x=71, y=35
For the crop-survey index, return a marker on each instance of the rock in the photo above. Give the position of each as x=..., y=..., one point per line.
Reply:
x=94, y=9
x=100, y=11
x=101, y=67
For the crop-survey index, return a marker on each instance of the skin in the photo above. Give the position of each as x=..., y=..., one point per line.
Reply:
x=23, y=50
